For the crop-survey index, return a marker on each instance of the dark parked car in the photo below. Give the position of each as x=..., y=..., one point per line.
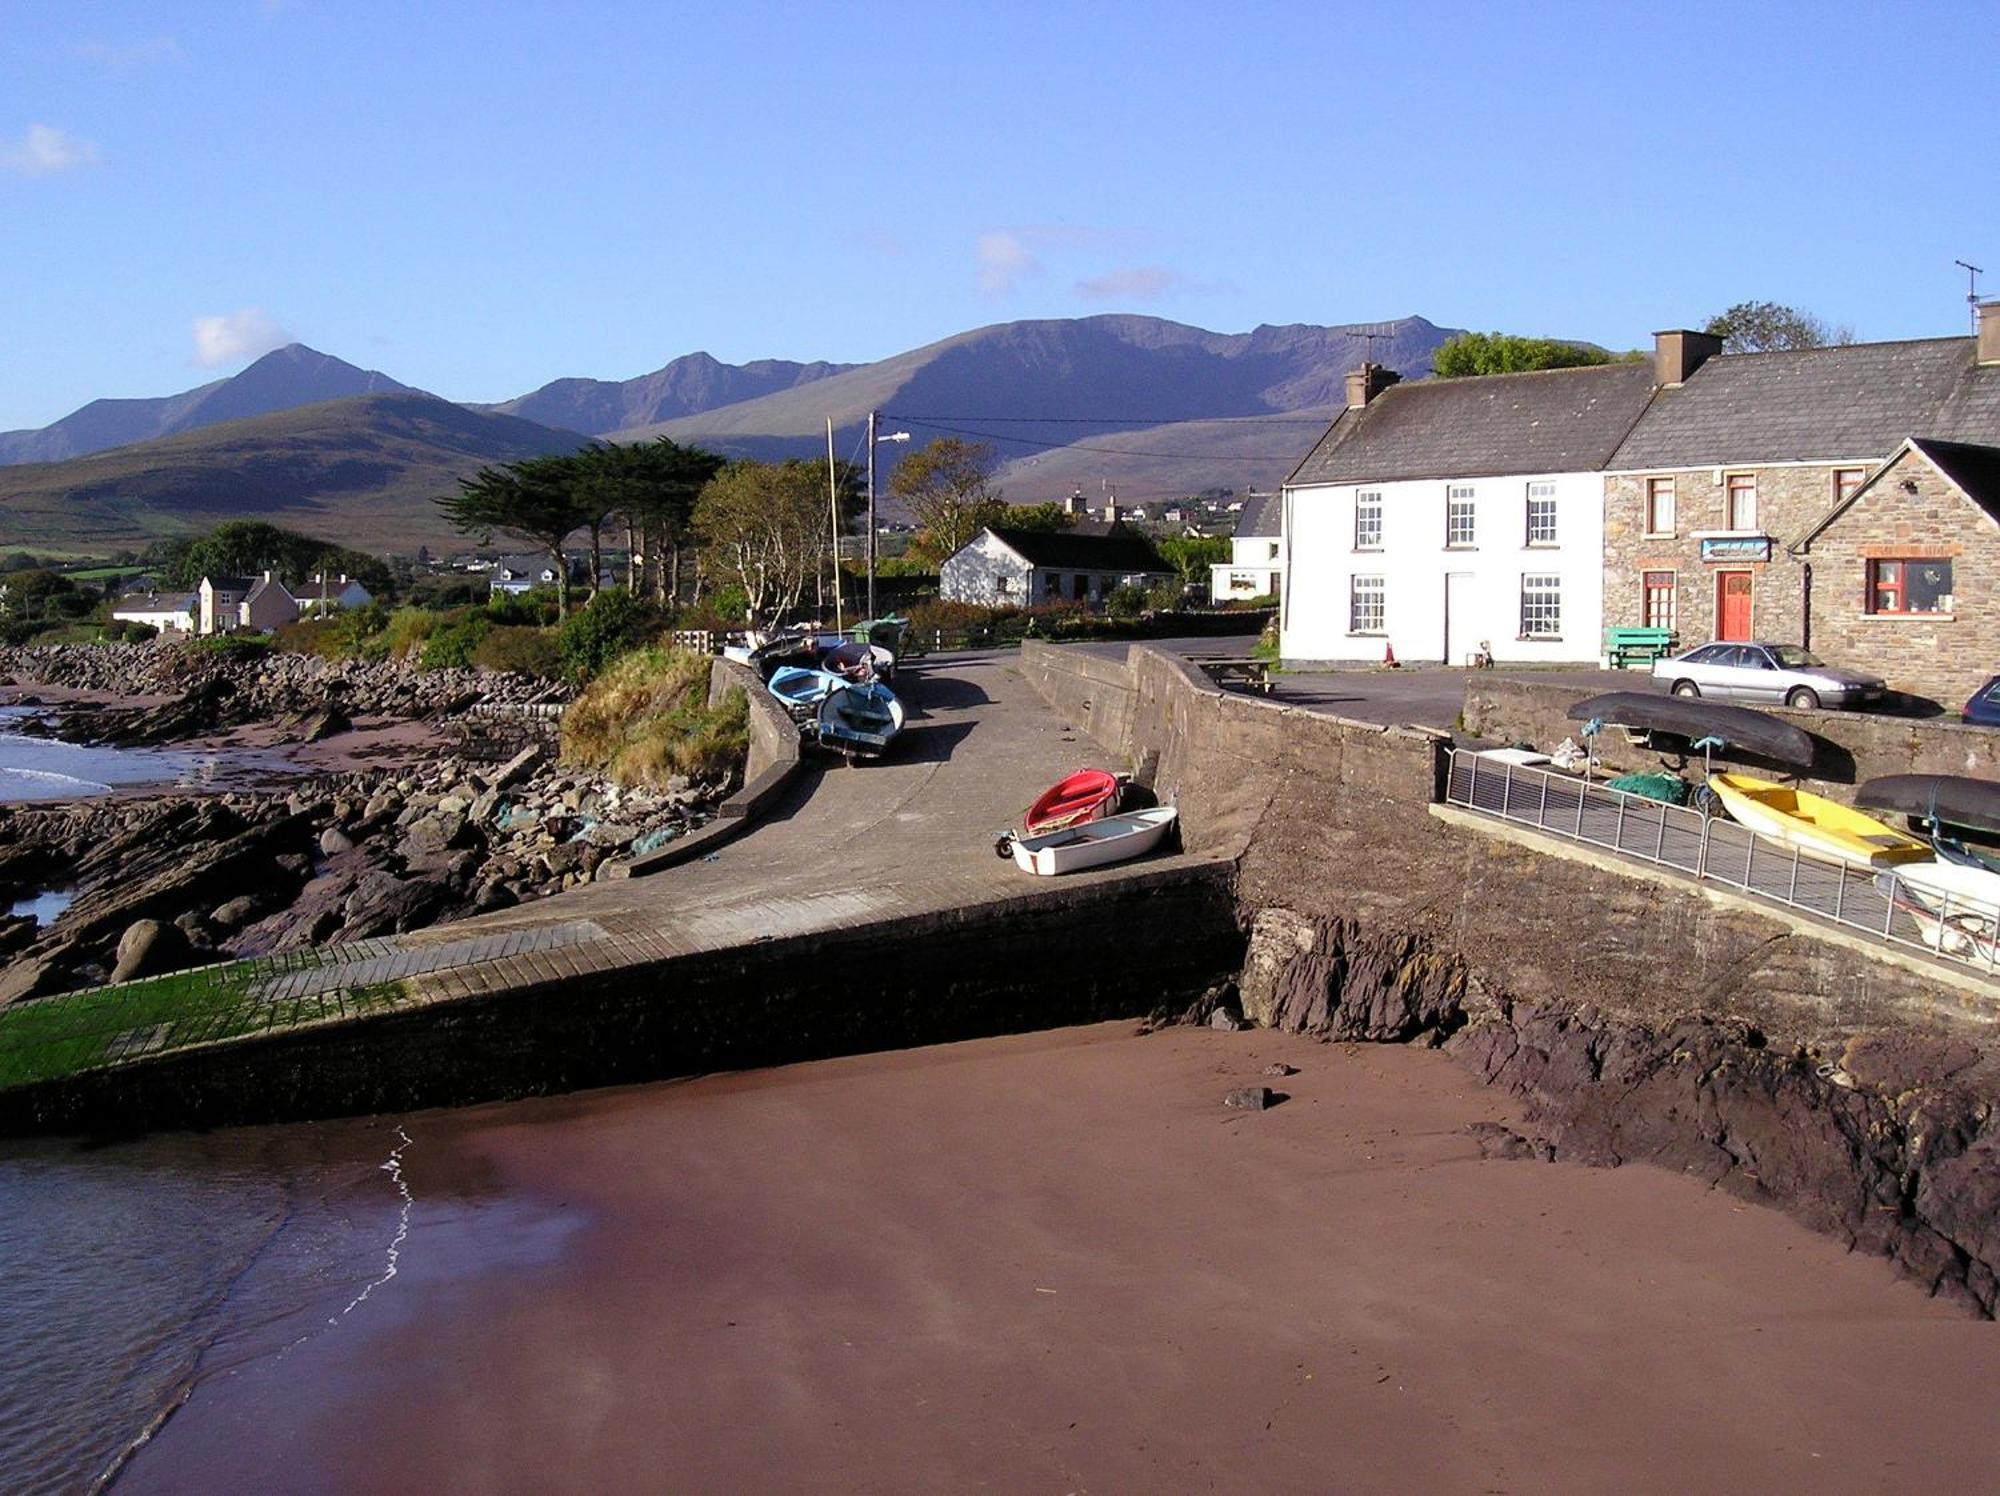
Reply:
x=1984, y=707
x=1769, y=674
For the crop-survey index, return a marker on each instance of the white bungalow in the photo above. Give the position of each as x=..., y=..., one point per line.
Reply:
x=166, y=612
x=1456, y=518
x=330, y=594
x=1007, y=568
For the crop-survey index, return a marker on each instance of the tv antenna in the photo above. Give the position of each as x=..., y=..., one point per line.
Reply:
x=1368, y=338
x=1972, y=274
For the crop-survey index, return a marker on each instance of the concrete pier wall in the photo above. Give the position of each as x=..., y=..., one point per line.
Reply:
x=1642, y=1017
x=1009, y=966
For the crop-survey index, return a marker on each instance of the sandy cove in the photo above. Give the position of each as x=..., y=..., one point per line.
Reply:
x=1056, y=1262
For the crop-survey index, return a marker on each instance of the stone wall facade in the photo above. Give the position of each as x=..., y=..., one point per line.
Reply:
x=1943, y=655
x=1791, y=499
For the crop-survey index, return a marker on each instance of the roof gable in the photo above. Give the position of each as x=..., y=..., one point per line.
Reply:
x=1971, y=469
x=1549, y=421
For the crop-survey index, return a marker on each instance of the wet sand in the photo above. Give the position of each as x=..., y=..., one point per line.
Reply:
x=1056, y=1263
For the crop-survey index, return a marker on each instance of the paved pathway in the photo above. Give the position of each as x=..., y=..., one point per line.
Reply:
x=905, y=836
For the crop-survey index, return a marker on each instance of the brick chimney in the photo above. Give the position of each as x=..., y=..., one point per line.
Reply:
x=1678, y=352
x=1989, y=332
x=1368, y=381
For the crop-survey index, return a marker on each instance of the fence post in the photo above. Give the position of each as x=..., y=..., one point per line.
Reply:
x=1582, y=791
x=1792, y=888
x=1749, y=862
x=1542, y=810
x=1839, y=889
x=1618, y=829
x=1507, y=794
x=1660, y=842
x=1472, y=779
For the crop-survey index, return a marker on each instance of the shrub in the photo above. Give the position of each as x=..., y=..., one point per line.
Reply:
x=614, y=623
x=233, y=646
x=449, y=645
x=405, y=630
x=1126, y=601
x=324, y=637
x=646, y=718
x=537, y=607
x=521, y=650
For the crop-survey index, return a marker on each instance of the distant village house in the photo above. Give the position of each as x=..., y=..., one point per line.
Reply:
x=1008, y=568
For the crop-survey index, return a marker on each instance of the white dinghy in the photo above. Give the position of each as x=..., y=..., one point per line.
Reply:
x=1092, y=843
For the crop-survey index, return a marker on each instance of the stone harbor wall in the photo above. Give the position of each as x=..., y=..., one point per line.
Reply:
x=1851, y=747
x=1643, y=1019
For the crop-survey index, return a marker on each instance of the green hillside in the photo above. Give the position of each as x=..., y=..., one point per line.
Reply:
x=360, y=471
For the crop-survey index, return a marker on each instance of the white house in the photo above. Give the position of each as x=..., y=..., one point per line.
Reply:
x=331, y=594
x=228, y=605
x=1256, y=564
x=168, y=612
x=1007, y=568
x=514, y=575
x=1454, y=518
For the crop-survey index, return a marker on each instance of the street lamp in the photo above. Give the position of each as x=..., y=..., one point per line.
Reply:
x=873, y=442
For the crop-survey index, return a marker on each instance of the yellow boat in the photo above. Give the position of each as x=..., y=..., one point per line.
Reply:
x=1812, y=823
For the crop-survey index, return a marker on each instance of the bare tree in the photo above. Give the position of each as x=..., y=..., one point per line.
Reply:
x=1767, y=327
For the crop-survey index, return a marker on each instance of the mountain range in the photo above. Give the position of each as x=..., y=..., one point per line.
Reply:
x=1140, y=405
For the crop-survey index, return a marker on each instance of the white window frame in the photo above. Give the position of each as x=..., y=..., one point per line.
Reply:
x=1373, y=585
x=1368, y=537
x=1541, y=605
x=1461, y=502
x=1729, y=492
x=1542, y=491
x=1658, y=486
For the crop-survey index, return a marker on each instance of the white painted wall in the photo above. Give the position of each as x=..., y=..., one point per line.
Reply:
x=1414, y=562
x=986, y=572
x=1256, y=568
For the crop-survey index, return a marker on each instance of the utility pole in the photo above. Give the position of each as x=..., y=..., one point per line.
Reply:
x=833, y=503
x=871, y=516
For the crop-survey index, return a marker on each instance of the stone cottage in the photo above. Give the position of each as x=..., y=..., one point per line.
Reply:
x=1903, y=574
x=1737, y=456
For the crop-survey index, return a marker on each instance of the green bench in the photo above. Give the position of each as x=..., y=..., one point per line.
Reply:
x=1626, y=646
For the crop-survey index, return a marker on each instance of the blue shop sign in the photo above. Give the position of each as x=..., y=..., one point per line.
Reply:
x=1736, y=548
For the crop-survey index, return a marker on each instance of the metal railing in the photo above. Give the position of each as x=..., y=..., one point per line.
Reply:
x=1870, y=900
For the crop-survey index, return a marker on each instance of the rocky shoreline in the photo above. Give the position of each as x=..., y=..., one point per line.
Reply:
x=166, y=880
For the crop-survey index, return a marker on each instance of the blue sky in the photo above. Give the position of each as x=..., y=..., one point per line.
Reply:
x=481, y=197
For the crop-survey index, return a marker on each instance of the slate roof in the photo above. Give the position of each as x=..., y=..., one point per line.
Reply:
x=1077, y=550
x=1262, y=516
x=1816, y=404
x=155, y=602
x=1551, y=421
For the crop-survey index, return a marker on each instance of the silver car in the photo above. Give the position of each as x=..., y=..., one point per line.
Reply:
x=1767, y=673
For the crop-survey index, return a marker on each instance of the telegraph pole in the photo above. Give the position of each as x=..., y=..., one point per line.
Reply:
x=833, y=503
x=871, y=516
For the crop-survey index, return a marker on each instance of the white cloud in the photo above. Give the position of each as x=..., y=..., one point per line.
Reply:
x=1137, y=283
x=45, y=151
x=1004, y=261
x=235, y=336
x=116, y=57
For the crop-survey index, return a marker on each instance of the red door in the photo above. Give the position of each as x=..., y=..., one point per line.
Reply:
x=1732, y=606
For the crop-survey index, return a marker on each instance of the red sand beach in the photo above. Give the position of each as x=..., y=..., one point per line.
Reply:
x=1057, y=1263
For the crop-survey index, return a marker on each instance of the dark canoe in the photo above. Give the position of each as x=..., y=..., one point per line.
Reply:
x=1951, y=798
x=1692, y=718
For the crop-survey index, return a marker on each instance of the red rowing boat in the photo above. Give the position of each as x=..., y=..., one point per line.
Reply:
x=1085, y=796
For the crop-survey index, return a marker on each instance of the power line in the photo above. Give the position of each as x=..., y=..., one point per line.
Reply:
x=891, y=415
x=1289, y=454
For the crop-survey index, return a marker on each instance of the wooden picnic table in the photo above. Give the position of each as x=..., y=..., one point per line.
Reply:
x=1245, y=670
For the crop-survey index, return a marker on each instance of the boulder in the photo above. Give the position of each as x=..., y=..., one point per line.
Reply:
x=147, y=947
x=333, y=841
x=234, y=914
x=1252, y=1098
x=517, y=768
